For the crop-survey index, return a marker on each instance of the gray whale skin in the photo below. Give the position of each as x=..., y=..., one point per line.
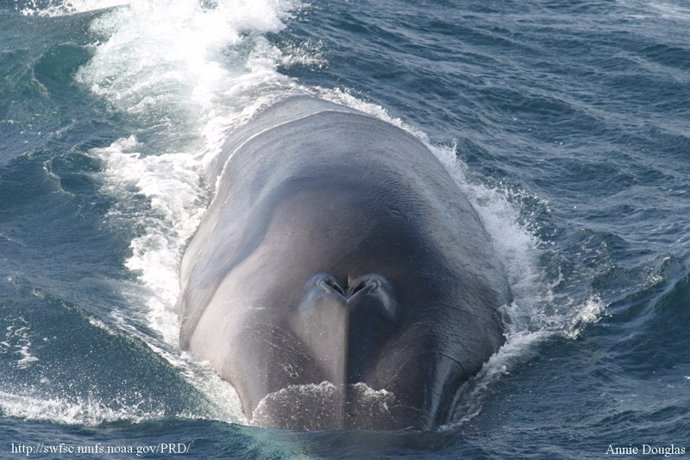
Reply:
x=339, y=279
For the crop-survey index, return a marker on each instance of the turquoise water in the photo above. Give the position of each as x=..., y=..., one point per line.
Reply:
x=566, y=123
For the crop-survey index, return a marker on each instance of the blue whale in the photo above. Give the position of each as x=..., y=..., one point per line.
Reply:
x=339, y=279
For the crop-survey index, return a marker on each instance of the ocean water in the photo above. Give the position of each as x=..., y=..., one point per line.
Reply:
x=567, y=123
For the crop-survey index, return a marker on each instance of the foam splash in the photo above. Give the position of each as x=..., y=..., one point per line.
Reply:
x=170, y=184
x=17, y=341
x=185, y=70
x=82, y=411
x=56, y=8
x=318, y=407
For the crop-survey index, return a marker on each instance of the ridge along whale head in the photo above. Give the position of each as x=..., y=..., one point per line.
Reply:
x=344, y=323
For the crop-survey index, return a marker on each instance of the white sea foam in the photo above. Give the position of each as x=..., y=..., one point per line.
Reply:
x=17, y=342
x=82, y=411
x=56, y=8
x=170, y=184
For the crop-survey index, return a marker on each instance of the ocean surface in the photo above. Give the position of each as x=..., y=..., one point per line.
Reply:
x=566, y=122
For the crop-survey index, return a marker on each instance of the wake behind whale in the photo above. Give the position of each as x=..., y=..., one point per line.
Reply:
x=339, y=278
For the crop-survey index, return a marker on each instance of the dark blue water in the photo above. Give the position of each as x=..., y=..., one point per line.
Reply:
x=566, y=122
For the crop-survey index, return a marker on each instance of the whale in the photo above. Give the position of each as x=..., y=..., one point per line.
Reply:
x=339, y=278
